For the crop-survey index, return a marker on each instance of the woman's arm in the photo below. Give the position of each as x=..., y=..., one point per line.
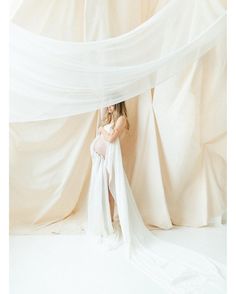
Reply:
x=119, y=126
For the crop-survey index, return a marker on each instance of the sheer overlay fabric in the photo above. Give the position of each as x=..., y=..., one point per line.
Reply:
x=53, y=78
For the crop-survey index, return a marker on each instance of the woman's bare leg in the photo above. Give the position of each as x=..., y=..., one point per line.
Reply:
x=112, y=204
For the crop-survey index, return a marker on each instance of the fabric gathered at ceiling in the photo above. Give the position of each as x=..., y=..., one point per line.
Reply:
x=166, y=59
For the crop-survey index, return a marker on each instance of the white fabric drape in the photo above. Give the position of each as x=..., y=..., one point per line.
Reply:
x=53, y=78
x=174, y=268
x=183, y=118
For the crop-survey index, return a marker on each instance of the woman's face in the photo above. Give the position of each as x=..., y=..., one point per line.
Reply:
x=111, y=108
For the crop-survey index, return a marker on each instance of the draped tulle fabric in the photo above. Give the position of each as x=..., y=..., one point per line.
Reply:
x=183, y=166
x=176, y=269
x=179, y=51
x=54, y=78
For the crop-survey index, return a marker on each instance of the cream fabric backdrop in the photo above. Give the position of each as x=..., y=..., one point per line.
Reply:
x=177, y=176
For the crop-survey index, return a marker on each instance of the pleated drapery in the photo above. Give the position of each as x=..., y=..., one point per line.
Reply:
x=166, y=59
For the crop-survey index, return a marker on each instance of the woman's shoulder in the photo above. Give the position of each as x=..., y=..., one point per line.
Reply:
x=121, y=118
x=121, y=122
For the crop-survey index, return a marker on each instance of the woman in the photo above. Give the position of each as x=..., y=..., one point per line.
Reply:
x=113, y=122
x=176, y=269
x=116, y=115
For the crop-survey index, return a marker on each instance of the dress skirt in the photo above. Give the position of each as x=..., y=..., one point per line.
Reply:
x=174, y=268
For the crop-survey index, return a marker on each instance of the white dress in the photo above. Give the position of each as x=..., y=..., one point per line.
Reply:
x=176, y=269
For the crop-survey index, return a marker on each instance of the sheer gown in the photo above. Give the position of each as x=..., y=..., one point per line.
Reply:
x=176, y=269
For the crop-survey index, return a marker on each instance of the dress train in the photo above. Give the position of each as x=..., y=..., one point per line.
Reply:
x=176, y=269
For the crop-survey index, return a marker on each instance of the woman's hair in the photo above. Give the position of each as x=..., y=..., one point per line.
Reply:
x=119, y=110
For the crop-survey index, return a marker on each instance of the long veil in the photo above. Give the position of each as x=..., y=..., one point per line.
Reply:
x=176, y=269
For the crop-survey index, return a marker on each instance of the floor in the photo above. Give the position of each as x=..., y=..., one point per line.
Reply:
x=48, y=264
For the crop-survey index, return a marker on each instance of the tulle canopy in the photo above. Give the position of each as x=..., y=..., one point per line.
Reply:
x=53, y=78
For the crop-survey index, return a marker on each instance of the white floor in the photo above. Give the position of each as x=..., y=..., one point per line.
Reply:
x=68, y=264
